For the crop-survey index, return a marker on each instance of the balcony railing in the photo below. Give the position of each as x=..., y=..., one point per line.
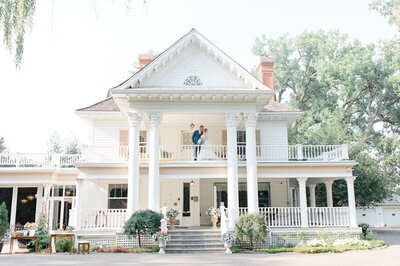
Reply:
x=38, y=159
x=104, y=153
x=103, y=218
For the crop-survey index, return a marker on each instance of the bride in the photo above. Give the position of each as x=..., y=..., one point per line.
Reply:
x=206, y=152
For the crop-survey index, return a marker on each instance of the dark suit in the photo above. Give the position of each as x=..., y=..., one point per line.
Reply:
x=195, y=138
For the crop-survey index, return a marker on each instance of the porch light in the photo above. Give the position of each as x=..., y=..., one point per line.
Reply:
x=192, y=183
x=24, y=201
x=30, y=197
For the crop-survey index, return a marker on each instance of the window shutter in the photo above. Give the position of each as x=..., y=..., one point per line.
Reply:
x=258, y=137
x=123, y=137
x=224, y=137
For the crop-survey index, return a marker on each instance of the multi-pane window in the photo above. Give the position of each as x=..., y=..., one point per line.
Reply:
x=192, y=81
x=117, y=196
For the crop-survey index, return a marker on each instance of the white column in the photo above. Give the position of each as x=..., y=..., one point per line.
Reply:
x=232, y=168
x=329, y=198
x=312, y=194
x=303, y=201
x=78, y=199
x=250, y=120
x=13, y=208
x=352, y=200
x=134, y=120
x=154, y=161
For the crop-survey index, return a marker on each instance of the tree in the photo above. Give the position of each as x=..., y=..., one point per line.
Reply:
x=16, y=17
x=3, y=220
x=390, y=9
x=350, y=94
x=2, y=146
x=69, y=145
x=141, y=223
x=250, y=228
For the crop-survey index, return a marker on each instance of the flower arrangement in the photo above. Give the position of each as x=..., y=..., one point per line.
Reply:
x=172, y=213
x=161, y=236
x=30, y=226
x=69, y=228
x=216, y=212
x=228, y=237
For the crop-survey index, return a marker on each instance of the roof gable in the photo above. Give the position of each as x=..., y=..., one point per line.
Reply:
x=195, y=42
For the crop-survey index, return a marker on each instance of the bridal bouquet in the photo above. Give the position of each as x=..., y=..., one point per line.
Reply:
x=201, y=141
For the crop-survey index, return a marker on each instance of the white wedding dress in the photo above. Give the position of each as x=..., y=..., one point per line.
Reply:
x=206, y=152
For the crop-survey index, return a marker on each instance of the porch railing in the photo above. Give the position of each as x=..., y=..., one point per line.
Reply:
x=189, y=152
x=103, y=218
x=328, y=216
x=291, y=216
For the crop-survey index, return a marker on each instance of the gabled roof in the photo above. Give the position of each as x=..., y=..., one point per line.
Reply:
x=192, y=38
x=104, y=105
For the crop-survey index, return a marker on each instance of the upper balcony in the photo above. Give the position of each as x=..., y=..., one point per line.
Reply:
x=178, y=153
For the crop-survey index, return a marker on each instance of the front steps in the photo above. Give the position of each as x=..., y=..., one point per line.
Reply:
x=195, y=240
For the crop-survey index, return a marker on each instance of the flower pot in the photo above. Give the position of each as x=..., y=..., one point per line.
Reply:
x=1, y=245
x=214, y=220
x=228, y=246
x=172, y=222
x=161, y=244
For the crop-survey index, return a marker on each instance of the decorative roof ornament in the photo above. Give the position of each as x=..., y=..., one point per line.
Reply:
x=192, y=81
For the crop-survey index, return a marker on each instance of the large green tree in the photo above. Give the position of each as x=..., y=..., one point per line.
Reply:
x=350, y=94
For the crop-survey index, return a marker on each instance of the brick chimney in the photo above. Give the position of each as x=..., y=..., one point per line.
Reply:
x=144, y=59
x=266, y=72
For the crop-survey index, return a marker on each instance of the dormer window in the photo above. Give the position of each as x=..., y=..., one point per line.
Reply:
x=192, y=81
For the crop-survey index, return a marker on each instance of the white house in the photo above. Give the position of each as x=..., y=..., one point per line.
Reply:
x=140, y=154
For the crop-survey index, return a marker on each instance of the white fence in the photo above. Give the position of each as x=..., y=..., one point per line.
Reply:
x=291, y=216
x=103, y=218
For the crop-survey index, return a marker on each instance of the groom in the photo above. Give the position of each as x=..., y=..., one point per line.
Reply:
x=195, y=138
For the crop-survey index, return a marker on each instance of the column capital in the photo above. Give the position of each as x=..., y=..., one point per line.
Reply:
x=328, y=182
x=311, y=185
x=302, y=179
x=350, y=179
x=154, y=118
x=231, y=119
x=250, y=119
x=134, y=119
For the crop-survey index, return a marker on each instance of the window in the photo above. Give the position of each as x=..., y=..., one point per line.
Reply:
x=117, y=196
x=192, y=81
x=186, y=199
x=263, y=194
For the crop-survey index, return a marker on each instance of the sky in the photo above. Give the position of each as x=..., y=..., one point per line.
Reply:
x=78, y=49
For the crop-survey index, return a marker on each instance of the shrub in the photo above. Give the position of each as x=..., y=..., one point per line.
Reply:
x=143, y=222
x=364, y=228
x=3, y=220
x=251, y=228
x=63, y=244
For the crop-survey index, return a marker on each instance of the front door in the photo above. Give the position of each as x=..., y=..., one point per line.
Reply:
x=190, y=204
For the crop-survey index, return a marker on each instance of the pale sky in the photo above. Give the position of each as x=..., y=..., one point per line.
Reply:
x=77, y=50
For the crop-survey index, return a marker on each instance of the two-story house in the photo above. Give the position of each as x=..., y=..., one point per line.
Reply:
x=141, y=154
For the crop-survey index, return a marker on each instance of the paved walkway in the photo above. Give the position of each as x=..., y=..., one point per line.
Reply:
x=387, y=256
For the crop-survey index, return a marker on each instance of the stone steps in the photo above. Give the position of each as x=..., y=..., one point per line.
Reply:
x=195, y=240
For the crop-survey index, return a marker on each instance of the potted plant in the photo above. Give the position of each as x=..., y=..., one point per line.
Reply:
x=214, y=213
x=69, y=228
x=171, y=215
x=162, y=238
x=228, y=238
x=3, y=223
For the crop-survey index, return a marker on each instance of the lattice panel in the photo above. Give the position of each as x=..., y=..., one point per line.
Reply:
x=125, y=241
x=99, y=240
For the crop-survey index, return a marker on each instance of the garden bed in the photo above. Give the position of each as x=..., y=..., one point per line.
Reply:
x=128, y=250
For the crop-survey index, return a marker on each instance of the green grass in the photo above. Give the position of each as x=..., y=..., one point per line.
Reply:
x=325, y=249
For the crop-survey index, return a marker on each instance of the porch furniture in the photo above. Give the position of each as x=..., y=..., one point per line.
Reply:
x=70, y=235
x=83, y=244
x=23, y=237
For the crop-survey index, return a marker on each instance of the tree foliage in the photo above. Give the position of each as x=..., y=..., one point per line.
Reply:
x=3, y=220
x=390, y=9
x=250, y=228
x=143, y=222
x=68, y=145
x=16, y=17
x=350, y=94
x=2, y=146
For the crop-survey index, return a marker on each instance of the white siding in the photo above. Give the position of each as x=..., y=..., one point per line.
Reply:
x=94, y=194
x=194, y=62
x=273, y=132
x=107, y=132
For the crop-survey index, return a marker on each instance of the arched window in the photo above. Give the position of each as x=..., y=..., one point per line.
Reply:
x=192, y=81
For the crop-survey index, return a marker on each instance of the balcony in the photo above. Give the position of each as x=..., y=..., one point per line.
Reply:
x=177, y=153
